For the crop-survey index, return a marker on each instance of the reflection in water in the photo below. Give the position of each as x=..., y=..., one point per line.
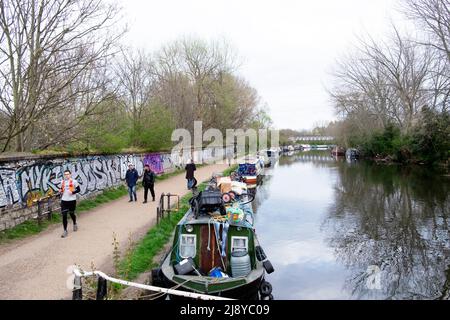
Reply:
x=397, y=220
x=338, y=230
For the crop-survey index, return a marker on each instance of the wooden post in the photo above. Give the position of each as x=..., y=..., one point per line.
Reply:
x=39, y=217
x=50, y=209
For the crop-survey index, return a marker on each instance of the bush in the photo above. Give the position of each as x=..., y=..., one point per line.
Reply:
x=431, y=140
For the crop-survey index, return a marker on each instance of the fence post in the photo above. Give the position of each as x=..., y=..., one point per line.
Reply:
x=39, y=217
x=50, y=209
x=168, y=205
x=102, y=288
x=77, y=293
x=161, y=203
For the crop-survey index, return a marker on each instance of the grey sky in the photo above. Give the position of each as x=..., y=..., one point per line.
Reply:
x=288, y=47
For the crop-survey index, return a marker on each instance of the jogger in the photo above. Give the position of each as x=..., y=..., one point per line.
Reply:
x=69, y=190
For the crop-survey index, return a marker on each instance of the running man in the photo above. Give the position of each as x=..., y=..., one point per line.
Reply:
x=69, y=190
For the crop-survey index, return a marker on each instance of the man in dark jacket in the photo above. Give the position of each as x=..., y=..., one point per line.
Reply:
x=148, y=182
x=131, y=178
x=190, y=168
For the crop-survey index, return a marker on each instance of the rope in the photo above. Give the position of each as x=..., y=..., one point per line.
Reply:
x=79, y=273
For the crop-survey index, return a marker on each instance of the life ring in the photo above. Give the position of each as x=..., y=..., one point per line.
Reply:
x=226, y=197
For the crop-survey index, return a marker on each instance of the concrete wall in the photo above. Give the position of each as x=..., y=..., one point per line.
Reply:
x=24, y=180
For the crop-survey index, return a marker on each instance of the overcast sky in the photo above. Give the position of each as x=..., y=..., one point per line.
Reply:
x=288, y=46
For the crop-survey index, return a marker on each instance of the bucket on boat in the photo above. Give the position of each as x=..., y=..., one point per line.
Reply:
x=240, y=264
x=218, y=273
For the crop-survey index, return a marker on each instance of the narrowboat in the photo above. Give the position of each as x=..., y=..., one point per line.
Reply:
x=338, y=152
x=262, y=156
x=251, y=170
x=215, y=250
x=352, y=154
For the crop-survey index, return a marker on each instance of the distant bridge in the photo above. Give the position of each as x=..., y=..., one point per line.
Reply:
x=312, y=138
x=320, y=158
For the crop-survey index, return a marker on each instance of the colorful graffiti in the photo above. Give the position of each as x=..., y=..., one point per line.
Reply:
x=154, y=160
x=29, y=180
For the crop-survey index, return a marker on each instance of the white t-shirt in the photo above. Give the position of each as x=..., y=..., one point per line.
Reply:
x=67, y=194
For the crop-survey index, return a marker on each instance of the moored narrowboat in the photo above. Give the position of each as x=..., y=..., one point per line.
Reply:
x=251, y=170
x=216, y=251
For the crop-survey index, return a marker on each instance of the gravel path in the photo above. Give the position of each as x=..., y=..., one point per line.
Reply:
x=35, y=268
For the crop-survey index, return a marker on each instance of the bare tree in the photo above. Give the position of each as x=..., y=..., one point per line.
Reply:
x=434, y=15
x=48, y=50
x=136, y=82
x=384, y=83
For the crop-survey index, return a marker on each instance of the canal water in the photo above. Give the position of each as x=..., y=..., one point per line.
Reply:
x=338, y=230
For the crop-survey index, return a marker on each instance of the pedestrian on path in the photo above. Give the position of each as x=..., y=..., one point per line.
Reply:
x=148, y=182
x=131, y=179
x=190, y=168
x=69, y=190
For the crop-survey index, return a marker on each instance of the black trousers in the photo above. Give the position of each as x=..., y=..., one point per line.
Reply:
x=152, y=191
x=68, y=207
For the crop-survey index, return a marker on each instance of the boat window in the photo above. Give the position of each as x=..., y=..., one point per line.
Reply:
x=188, y=245
x=239, y=244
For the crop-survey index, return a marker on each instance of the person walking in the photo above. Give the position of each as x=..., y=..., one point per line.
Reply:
x=68, y=191
x=131, y=178
x=148, y=182
x=190, y=168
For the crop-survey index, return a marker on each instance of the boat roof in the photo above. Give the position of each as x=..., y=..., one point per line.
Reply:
x=247, y=222
x=250, y=162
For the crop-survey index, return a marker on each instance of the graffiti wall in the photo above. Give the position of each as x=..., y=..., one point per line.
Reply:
x=23, y=181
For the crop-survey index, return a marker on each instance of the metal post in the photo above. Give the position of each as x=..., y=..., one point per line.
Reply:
x=157, y=215
x=168, y=205
x=77, y=293
x=102, y=288
x=161, y=203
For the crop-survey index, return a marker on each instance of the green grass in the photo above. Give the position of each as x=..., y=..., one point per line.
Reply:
x=28, y=228
x=228, y=171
